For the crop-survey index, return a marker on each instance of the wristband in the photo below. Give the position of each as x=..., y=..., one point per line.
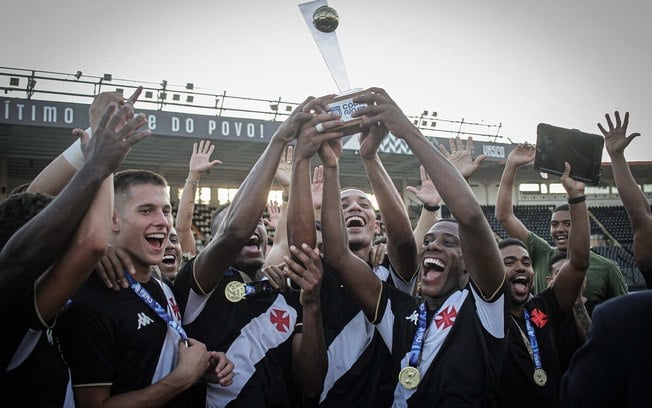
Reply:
x=194, y=183
x=577, y=200
x=73, y=154
x=431, y=208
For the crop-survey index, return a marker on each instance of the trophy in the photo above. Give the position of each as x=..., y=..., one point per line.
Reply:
x=322, y=21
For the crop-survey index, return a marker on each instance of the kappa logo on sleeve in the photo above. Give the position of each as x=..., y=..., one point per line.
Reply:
x=281, y=319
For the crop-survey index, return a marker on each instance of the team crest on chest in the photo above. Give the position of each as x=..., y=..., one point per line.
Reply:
x=539, y=318
x=446, y=318
x=280, y=319
x=175, y=308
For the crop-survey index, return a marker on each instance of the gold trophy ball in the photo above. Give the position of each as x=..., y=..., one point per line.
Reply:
x=325, y=19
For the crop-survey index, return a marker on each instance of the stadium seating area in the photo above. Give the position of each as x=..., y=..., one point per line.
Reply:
x=612, y=221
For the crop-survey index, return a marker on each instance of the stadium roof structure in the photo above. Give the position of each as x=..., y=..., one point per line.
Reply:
x=39, y=109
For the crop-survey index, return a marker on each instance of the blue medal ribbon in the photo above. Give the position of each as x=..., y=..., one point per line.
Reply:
x=536, y=356
x=252, y=288
x=155, y=306
x=417, y=343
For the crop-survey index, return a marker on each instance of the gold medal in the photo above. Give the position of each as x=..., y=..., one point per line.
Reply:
x=409, y=377
x=234, y=291
x=540, y=377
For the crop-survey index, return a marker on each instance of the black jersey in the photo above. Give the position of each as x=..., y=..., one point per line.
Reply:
x=519, y=388
x=256, y=334
x=360, y=370
x=115, y=338
x=32, y=360
x=463, y=347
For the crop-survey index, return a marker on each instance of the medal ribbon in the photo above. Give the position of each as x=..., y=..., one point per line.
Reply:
x=155, y=306
x=536, y=356
x=417, y=343
x=261, y=286
x=252, y=288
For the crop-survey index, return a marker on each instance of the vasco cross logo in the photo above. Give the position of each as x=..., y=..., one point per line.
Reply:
x=280, y=319
x=143, y=320
x=539, y=318
x=446, y=318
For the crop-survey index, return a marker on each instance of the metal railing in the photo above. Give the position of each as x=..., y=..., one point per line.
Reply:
x=82, y=88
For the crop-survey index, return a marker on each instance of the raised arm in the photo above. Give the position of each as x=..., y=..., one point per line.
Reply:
x=354, y=272
x=24, y=257
x=461, y=156
x=58, y=173
x=301, y=218
x=634, y=201
x=568, y=282
x=280, y=247
x=309, y=358
x=482, y=257
x=247, y=206
x=431, y=200
x=88, y=246
x=520, y=156
x=200, y=163
x=401, y=247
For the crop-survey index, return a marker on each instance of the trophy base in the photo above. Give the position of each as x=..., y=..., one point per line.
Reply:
x=344, y=106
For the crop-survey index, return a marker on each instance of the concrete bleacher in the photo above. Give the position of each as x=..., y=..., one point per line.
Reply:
x=615, y=220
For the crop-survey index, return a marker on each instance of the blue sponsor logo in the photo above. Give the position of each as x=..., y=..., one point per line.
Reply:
x=336, y=109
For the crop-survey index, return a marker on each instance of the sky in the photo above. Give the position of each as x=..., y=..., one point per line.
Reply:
x=517, y=63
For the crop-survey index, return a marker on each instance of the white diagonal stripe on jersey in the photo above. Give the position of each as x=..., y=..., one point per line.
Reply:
x=346, y=349
x=25, y=348
x=350, y=343
x=432, y=343
x=491, y=314
x=256, y=338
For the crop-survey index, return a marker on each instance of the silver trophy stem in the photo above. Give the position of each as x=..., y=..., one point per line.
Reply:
x=328, y=45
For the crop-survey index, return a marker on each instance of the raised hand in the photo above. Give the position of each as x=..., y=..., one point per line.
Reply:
x=524, y=153
x=461, y=156
x=616, y=139
x=426, y=193
x=200, y=161
x=317, y=130
x=111, y=142
x=289, y=129
x=317, y=186
x=308, y=278
x=381, y=109
x=573, y=187
x=377, y=254
x=371, y=138
x=274, y=211
x=284, y=170
x=103, y=100
x=276, y=277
